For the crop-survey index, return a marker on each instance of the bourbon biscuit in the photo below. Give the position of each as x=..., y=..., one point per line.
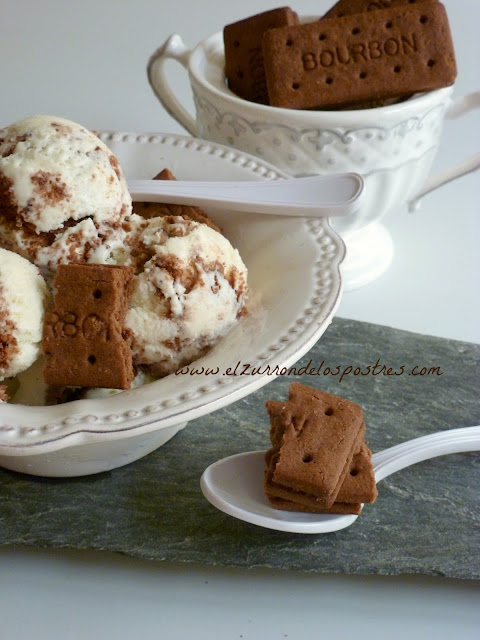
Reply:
x=84, y=334
x=243, y=52
x=60, y=395
x=156, y=209
x=369, y=56
x=358, y=486
x=321, y=434
x=347, y=7
x=373, y=104
x=337, y=507
x=277, y=422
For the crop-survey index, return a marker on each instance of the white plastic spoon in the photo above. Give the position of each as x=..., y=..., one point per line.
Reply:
x=314, y=196
x=235, y=484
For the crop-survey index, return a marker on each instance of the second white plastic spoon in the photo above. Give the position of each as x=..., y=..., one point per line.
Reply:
x=314, y=196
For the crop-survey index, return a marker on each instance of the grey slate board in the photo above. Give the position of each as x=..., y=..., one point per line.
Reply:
x=426, y=519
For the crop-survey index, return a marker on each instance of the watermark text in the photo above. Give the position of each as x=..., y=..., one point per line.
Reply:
x=310, y=369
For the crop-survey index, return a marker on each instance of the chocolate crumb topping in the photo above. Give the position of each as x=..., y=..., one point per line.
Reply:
x=115, y=166
x=50, y=187
x=8, y=342
x=61, y=128
x=13, y=144
x=188, y=276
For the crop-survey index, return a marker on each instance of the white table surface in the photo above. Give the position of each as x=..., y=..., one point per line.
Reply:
x=86, y=61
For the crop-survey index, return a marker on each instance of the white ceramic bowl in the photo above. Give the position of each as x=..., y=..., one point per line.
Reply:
x=295, y=288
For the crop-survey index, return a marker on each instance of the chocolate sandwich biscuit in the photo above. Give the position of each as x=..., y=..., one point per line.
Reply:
x=337, y=507
x=358, y=487
x=347, y=7
x=156, y=209
x=359, y=484
x=321, y=434
x=84, y=334
x=369, y=56
x=243, y=52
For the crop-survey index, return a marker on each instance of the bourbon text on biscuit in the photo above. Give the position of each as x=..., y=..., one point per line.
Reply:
x=360, y=52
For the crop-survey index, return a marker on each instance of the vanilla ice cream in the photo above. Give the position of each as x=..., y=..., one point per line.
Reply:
x=190, y=289
x=23, y=294
x=63, y=196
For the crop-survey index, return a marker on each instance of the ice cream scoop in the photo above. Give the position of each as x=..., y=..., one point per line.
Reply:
x=23, y=294
x=63, y=196
x=190, y=289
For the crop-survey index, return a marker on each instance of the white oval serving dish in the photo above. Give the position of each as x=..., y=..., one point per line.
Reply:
x=295, y=285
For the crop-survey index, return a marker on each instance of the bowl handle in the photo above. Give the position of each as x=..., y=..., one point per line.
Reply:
x=172, y=49
x=458, y=108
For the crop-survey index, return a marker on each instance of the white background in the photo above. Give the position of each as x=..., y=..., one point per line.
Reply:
x=86, y=61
